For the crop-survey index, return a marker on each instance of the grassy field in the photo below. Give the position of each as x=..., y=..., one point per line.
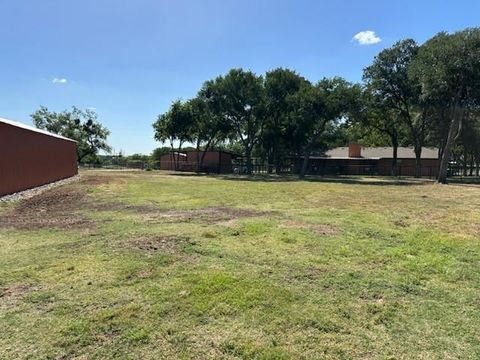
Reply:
x=151, y=265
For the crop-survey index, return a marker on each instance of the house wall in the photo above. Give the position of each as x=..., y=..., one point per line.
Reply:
x=29, y=159
x=343, y=166
x=353, y=166
x=406, y=167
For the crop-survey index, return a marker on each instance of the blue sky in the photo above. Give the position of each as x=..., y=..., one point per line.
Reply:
x=130, y=59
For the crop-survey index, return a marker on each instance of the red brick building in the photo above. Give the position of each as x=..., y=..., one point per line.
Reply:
x=30, y=157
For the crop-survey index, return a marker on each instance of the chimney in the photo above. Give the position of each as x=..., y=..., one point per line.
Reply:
x=354, y=150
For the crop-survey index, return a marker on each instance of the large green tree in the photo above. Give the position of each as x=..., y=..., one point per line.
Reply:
x=210, y=127
x=399, y=94
x=448, y=69
x=374, y=116
x=279, y=85
x=313, y=107
x=243, y=107
x=175, y=126
x=77, y=124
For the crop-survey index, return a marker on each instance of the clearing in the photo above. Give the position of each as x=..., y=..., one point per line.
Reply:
x=154, y=265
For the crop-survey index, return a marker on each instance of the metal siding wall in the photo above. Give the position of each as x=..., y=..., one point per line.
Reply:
x=29, y=159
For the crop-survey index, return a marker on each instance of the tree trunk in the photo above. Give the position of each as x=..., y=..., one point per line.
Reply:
x=465, y=164
x=202, y=158
x=172, y=157
x=270, y=160
x=306, y=159
x=276, y=158
x=447, y=151
x=199, y=168
x=178, y=155
x=394, y=139
x=418, y=160
x=248, y=155
x=205, y=149
x=471, y=164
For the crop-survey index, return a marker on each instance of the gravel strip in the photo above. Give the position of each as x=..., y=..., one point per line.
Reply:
x=27, y=194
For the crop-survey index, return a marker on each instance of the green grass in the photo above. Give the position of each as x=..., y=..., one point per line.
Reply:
x=352, y=269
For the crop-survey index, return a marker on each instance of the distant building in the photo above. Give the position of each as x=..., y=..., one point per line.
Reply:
x=214, y=161
x=31, y=157
x=358, y=160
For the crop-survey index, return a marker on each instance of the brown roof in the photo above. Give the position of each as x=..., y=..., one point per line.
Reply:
x=383, y=152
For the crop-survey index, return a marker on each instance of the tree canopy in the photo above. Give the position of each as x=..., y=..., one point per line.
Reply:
x=411, y=95
x=77, y=124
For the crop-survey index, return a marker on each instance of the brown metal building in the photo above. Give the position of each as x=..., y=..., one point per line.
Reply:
x=213, y=162
x=31, y=157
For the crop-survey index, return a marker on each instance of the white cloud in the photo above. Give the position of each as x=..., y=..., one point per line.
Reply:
x=367, y=37
x=59, y=81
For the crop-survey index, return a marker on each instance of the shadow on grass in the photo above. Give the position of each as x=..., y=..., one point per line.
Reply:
x=340, y=179
x=466, y=181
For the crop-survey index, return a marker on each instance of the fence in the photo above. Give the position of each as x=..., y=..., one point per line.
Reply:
x=120, y=165
x=257, y=168
x=463, y=171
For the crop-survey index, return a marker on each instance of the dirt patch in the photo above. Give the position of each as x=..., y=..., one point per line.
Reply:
x=51, y=209
x=97, y=180
x=16, y=291
x=401, y=223
x=141, y=274
x=210, y=215
x=317, y=229
x=59, y=208
x=160, y=243
x=308, y=274
x=118, y=206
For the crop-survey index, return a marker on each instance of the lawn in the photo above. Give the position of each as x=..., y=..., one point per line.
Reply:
x=149, y=265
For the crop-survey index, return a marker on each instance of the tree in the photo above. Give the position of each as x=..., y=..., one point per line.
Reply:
x=313, y=107
x=77, y=124
x=279, y=85
x=175, y=126
x=468, y=151
x=448, y=70
x=372, y=113
x=157, y=152
x=242, y=105
x=389, y=80
x=209, y=126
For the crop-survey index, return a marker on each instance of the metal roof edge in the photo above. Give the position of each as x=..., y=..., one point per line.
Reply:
x=34, y=129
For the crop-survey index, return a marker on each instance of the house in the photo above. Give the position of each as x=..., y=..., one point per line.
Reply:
x=30, y=157
x=358, y=160
x=213, y=161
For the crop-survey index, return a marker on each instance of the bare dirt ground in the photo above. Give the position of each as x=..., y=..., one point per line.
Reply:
x=61, y=208
x=51, y=209
x=208, y=215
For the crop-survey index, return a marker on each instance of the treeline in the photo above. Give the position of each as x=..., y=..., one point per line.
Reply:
x=415, y=95
x=137, y=160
